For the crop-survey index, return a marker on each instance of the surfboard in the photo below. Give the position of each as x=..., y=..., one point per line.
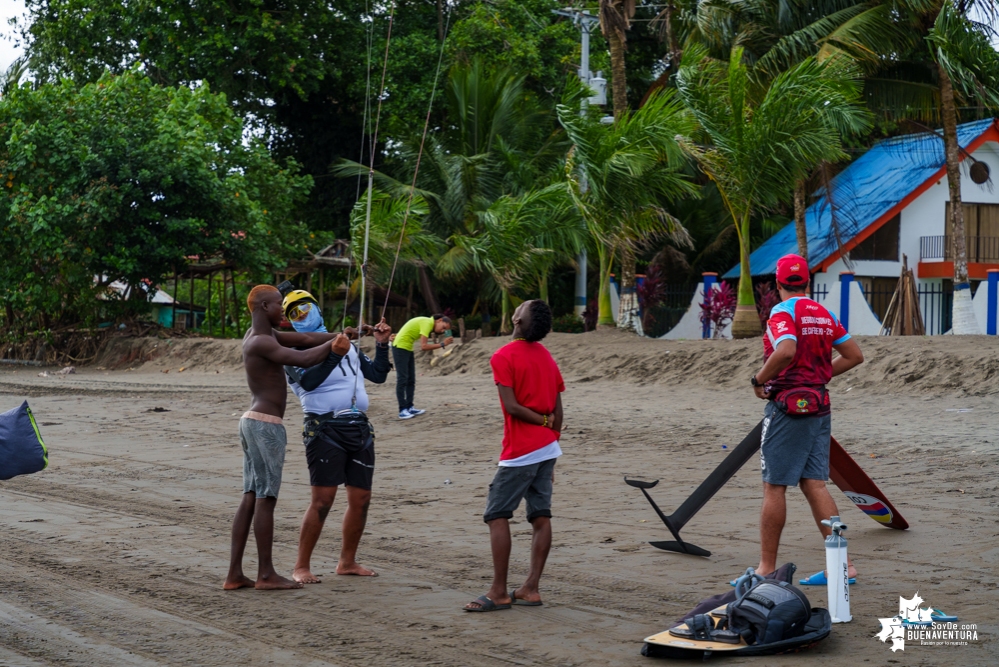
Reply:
x=861, y=489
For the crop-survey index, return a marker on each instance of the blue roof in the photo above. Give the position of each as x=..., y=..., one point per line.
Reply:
x=863, y=192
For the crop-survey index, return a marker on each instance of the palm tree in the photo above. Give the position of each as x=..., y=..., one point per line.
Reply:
x=615, y=19
x=517, y=236
x=497, y=142
x=921, y=59
x=632, y=168
x=764, y=136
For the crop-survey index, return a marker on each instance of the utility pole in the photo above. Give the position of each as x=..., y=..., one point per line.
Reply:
x=585, y=21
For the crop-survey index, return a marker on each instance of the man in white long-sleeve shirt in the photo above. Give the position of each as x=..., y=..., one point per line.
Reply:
x=339, y=441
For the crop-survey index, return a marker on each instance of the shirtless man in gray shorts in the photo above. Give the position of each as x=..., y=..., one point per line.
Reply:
x=261, y=431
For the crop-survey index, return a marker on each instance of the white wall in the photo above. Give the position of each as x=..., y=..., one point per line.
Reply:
x=690, y=327
x=981, y=305
x=862, y=320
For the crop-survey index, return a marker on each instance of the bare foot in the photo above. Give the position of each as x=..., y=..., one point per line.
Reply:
x=356, y=570
x=526, y=596
x=276, y=582
x=303, y=575
x=239, y=582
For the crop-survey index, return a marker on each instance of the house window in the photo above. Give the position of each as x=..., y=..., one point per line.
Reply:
x=882, y=245
x=981, y=231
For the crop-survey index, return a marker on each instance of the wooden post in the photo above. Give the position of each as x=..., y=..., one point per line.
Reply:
x=208, y=310
x=322, y=292
x=173, y=315
x=409, y=302
x=224, y=313
x=235, y=303
x=190, y=305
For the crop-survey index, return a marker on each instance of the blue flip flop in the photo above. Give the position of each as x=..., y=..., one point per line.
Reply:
x=819, y=579
x=941, y=617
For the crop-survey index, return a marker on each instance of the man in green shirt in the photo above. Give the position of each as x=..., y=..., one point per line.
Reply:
x=417, y=329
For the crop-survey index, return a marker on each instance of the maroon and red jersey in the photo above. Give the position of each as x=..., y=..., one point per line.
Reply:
x=815, y=329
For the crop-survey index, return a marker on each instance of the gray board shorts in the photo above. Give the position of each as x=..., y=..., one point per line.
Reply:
x=264, y=446
x=513, y=484
x=794, y=448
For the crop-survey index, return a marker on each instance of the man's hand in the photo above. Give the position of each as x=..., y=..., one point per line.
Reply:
x=351, y=332
x=761, y=392
x=448, y=340
x=382, y=332
x=341, y=345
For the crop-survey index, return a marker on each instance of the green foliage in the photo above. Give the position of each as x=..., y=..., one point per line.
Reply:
x=765, y=135
x=123, y=180
x=632, y=170
x=568, y=324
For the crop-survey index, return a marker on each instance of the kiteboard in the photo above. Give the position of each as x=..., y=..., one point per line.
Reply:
x=861, y=489
x=843, y=471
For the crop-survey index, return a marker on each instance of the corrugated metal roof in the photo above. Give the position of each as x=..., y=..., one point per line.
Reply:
x=863, y=192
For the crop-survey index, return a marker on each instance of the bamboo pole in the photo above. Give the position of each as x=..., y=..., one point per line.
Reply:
x=224, y=313
x=235, y=303
x=208, y=310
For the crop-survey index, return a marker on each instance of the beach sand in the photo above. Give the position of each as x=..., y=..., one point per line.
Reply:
x=115, y=555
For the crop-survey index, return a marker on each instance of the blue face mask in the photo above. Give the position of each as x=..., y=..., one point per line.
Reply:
x=313, y=321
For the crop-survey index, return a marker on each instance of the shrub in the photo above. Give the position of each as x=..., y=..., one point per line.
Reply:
x=719, y=307
x=567, y=324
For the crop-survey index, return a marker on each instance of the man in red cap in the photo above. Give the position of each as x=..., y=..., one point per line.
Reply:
x=797, y=348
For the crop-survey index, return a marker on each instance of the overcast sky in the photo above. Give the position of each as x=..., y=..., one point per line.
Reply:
x=8, y=9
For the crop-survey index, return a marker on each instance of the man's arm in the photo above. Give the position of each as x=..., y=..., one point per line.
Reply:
x=781, y=358
x=313, y=338
x=310, y=378
x=849, y=356
x=377, y=371
x=518, y=411
x=556, y=419
x=267, y=347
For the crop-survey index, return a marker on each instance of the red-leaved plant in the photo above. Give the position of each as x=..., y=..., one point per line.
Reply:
x=651, y=293
x=718, y=307
x=766, y=298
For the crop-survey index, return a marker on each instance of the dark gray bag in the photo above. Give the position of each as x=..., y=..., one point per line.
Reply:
x=769, y=612
x=22, y=451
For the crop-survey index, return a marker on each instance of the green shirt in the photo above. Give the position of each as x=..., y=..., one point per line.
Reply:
x=411, y=332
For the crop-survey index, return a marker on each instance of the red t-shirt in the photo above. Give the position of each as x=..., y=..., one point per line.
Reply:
x=815, y=329
x=536, y=381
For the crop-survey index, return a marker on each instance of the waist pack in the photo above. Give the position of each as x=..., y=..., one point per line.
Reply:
x=22, y=451
x=769, y=612
x=349, y=430
x=803, y=402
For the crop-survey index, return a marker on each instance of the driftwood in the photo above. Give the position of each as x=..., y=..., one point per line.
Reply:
x=903, y=317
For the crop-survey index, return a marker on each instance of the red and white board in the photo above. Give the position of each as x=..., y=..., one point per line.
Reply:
x=861, y=489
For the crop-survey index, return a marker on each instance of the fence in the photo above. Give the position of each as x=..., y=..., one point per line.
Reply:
x=935, y=304
x=980, y=248
x=662, y=317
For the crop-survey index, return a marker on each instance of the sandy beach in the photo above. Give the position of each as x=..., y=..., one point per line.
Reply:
x=115, y=554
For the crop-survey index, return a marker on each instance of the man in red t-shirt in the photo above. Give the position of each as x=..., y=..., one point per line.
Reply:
x=800, y=337
x=530, y=387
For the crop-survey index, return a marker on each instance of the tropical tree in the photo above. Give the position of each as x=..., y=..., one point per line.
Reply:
x=921, y=60
x=516, y=237
x=633, y=169
x=123, y=180
x=763, y=136
x=498, y=142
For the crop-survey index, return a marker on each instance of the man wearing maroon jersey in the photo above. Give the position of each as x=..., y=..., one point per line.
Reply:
x=800, y=337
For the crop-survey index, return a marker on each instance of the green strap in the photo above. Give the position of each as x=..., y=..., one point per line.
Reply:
x=45, y=450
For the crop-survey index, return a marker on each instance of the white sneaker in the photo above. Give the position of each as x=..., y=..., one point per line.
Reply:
x=406, y=414
x=415, y=411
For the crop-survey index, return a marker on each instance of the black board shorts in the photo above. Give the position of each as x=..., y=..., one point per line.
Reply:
x=342, y=452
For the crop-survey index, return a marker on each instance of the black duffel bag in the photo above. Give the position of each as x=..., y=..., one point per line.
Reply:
x=771, y=611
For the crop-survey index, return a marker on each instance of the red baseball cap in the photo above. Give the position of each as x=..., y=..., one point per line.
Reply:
x=792, y=270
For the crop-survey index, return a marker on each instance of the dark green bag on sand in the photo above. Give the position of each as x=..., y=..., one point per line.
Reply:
x=22, y=451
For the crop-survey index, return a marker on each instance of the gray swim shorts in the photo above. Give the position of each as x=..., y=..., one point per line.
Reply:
x=513, y=484
x=794, y=448
x=264, y=445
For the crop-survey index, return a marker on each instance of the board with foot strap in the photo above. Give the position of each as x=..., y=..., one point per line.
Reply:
x=667, y=645
x=844, y=471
